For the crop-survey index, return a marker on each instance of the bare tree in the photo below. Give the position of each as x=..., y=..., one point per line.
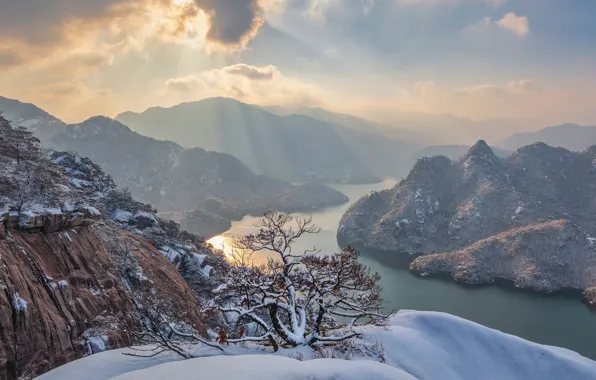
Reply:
x=157, y=334
x=295, y=298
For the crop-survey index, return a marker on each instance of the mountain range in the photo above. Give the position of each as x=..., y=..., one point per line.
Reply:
x=527, y=218
x=293, y=147
x=172, y=178
x=568, y=136
x=203, y=190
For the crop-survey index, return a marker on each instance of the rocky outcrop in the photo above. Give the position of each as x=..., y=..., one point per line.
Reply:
x=79, y=263
x=60, y=292
x=545, y=256
x=526, y=218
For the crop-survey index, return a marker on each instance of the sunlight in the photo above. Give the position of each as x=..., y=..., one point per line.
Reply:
x=181, y=23
x=218, y=242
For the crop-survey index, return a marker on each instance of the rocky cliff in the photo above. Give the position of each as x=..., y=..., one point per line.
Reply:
x=80, y=259
x=526, y=218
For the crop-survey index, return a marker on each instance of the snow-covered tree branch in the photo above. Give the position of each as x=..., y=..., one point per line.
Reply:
x=296, y=298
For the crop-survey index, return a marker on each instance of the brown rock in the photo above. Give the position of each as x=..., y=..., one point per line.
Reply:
x=49, y=331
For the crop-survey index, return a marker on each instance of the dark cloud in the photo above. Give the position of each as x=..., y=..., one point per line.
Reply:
x=40, y=22
x=9, y=58
x=233, y=22
x=251, y=72
x=44, y=22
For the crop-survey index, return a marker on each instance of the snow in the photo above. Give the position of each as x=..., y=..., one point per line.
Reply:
x=144, y=214
x=591, y=240
x=62, y=283
x=415, y=346
x=169, y=252
x=207, y=270
x=519, y=210
x=19, y=303
x=79, y=183
x=250, y=367
x=403, y=222
x=105, y=365
x=122, y=216
x=96, y=344
x=199, y=258
x=93, y=211
x=59, y=159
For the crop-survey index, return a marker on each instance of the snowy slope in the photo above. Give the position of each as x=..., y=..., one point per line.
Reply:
x=249, y=367
x=416, y=345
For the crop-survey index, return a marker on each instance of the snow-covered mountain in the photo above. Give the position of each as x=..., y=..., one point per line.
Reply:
x=527, y=218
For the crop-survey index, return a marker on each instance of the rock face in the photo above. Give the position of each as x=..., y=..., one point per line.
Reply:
x=526, y=218
x=80, y=260
x=60, y=291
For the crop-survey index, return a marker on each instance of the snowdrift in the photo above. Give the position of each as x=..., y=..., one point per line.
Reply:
x=416, y=346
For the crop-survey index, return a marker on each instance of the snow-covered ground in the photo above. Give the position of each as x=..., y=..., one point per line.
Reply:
x=414, y=345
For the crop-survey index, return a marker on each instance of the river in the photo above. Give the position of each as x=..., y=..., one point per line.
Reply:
x=558, y=320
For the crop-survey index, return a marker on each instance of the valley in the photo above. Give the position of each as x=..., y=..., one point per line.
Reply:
x=564, y=320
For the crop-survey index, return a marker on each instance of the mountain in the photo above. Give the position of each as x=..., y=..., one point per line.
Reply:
x=568, y=136
x=357, y=124
x=295, y=148
x=80, y=260
x=453, y=152
x=527, y=218
x=172, y=178
x=32, y=117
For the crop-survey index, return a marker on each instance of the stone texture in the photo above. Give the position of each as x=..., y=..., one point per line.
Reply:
x=69, y=285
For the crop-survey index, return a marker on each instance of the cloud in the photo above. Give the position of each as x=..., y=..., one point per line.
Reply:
x=316, y=9
x=251, y=72
x=261, y=85
x=492, y=3
x=232, y=22
x=52, y=24
x=514, y=23
x=9, y=58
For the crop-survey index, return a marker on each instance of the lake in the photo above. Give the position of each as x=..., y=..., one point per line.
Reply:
x=558, y=320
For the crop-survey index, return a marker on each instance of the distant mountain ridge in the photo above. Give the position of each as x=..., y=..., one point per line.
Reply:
x=357, y=124
x=295, y=147
x=204, y=189
x=569, y=136
x=176, y=179
x=29, y=115
x=527, y=218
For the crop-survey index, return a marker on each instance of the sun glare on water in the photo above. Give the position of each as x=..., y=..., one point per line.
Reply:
x=221, y=242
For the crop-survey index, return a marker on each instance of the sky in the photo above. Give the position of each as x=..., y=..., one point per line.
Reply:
x=531, y=60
